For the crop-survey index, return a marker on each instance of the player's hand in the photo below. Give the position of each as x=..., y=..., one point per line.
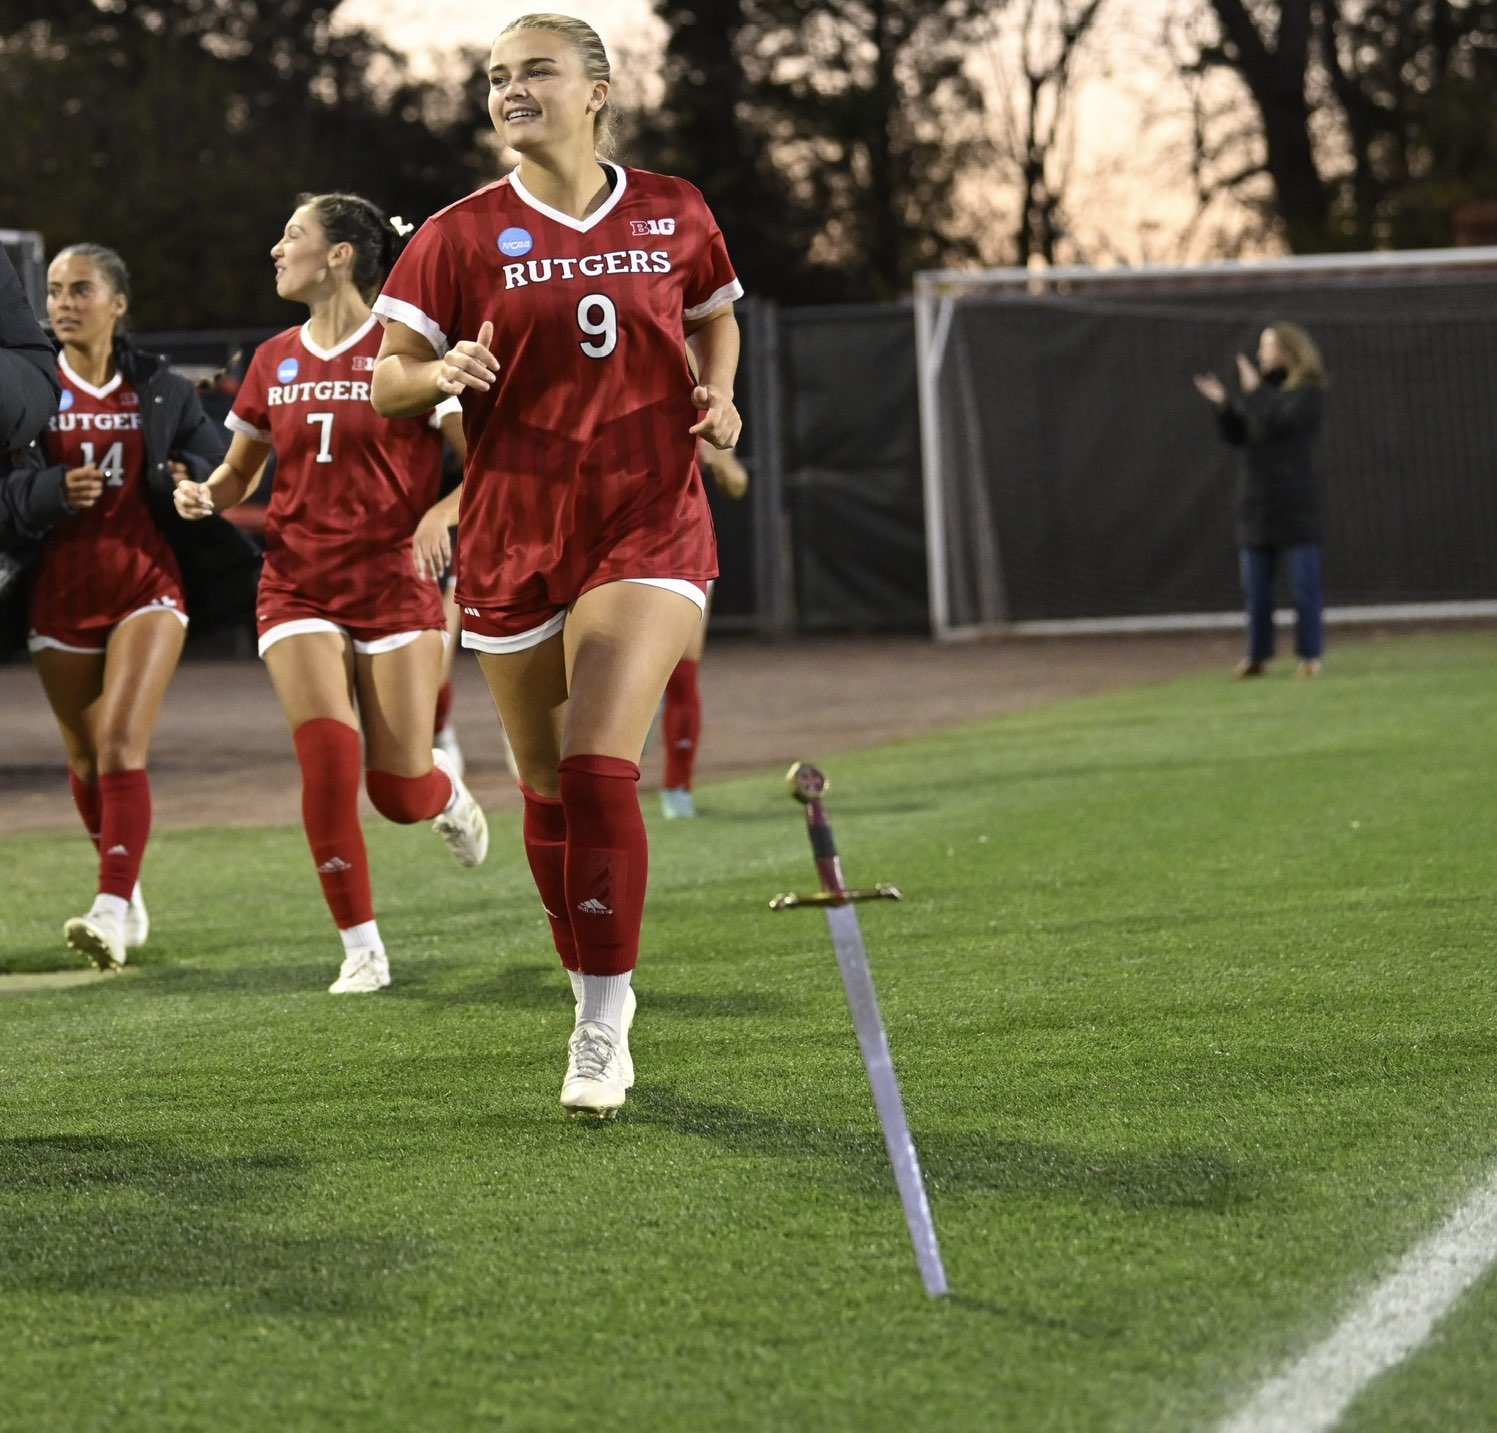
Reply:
x=728, y=473
x=1211, y=388
x=193, y=500
x=720, y=424
x=82, y=487
x=469, y=364
x=431, y=547
x=1247, y=373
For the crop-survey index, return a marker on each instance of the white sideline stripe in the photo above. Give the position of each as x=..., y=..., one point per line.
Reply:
x=1463, y=611
x=1384, y=1329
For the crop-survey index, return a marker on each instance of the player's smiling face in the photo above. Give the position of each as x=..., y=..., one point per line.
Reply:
x=301, y=258
x=538, y=91
x=81, y=305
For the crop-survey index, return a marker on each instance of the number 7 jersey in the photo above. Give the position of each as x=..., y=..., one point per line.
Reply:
x=581, y=464
x=349, y=487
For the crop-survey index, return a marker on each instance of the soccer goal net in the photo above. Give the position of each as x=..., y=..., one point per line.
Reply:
x=1075, y=480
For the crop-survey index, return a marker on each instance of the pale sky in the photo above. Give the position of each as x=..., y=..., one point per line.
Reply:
x=426, y=31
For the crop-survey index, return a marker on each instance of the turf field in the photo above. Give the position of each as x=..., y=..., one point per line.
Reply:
x=1191, y=996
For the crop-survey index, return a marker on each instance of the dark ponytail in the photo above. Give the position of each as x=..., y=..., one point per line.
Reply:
x=353, y=220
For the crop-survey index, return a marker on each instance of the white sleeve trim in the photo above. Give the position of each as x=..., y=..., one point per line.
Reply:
x=412, y=317
x=447, y=405
x=725, y=295
x=235, y=424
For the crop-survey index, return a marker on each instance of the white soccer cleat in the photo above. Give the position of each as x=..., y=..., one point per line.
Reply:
x=626, y=1061
x=137, y=921
x=598, y=1070
x=676, y=803
x=100, y=936
x=463, y=826
x=594, y=1085
x=364, y=971
x=446, y=740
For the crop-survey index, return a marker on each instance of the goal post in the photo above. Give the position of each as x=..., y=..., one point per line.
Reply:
x=1074, y=481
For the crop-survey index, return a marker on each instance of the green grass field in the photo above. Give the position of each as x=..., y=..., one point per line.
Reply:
x=1191, y=996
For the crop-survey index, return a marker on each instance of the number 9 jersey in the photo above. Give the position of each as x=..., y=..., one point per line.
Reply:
x=350, y=487
x=581, y=465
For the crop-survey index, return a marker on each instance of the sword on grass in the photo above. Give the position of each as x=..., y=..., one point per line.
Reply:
x=808, y=785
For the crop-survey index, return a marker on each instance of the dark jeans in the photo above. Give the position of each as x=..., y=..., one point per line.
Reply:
x=1260, y=566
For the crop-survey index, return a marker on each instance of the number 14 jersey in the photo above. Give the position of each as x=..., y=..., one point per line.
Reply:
x=106, y=561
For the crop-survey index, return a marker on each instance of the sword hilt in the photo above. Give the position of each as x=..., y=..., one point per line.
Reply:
x=808, y=784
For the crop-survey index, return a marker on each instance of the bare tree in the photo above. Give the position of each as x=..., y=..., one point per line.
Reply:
x=1037, y=73
x=1372, y=118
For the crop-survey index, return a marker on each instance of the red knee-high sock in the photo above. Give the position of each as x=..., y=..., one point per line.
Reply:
x=608, y=860
x=124, y=829
x=86, y=799
x=405, y=799
x=681, y=723
x=545, y=831
x=444, y=707
x=329, y=756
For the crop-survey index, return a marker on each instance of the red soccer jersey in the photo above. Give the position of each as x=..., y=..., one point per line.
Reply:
x=581, y=466
x=107, y=561
x=350, y=486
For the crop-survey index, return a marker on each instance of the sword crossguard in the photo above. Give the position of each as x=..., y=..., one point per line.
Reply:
x=883, y=891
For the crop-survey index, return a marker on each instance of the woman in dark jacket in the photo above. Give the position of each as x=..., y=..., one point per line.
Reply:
x=28, y=385
x=107, y=602
x=1274, y=421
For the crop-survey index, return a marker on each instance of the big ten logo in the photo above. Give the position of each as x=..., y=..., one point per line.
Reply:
x=640, y=227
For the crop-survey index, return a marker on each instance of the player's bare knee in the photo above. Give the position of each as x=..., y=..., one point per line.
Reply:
x=116, y=754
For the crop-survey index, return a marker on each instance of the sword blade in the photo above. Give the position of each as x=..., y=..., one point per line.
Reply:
x=857, y=980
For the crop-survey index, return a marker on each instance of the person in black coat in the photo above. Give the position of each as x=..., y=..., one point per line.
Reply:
x=28, y=379
x=107, y=597
x=1273, y=420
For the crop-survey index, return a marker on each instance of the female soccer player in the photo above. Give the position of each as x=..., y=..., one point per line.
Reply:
x=559, y=303
x=350, y=631
x=681, y=711
x=107, y=609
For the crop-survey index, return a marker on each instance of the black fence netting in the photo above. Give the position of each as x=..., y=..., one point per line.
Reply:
x=851, y=440
x=1082, y=476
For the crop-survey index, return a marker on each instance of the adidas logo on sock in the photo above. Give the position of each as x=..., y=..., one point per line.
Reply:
x=333, y=866
x=118, y=851
x=591, y=907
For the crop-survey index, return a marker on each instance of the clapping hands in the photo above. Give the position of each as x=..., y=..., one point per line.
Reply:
x=1211, y=388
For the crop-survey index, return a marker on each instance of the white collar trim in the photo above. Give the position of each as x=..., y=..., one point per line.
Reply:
x=621, y=183
x=89, y=388
x=326, y=353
